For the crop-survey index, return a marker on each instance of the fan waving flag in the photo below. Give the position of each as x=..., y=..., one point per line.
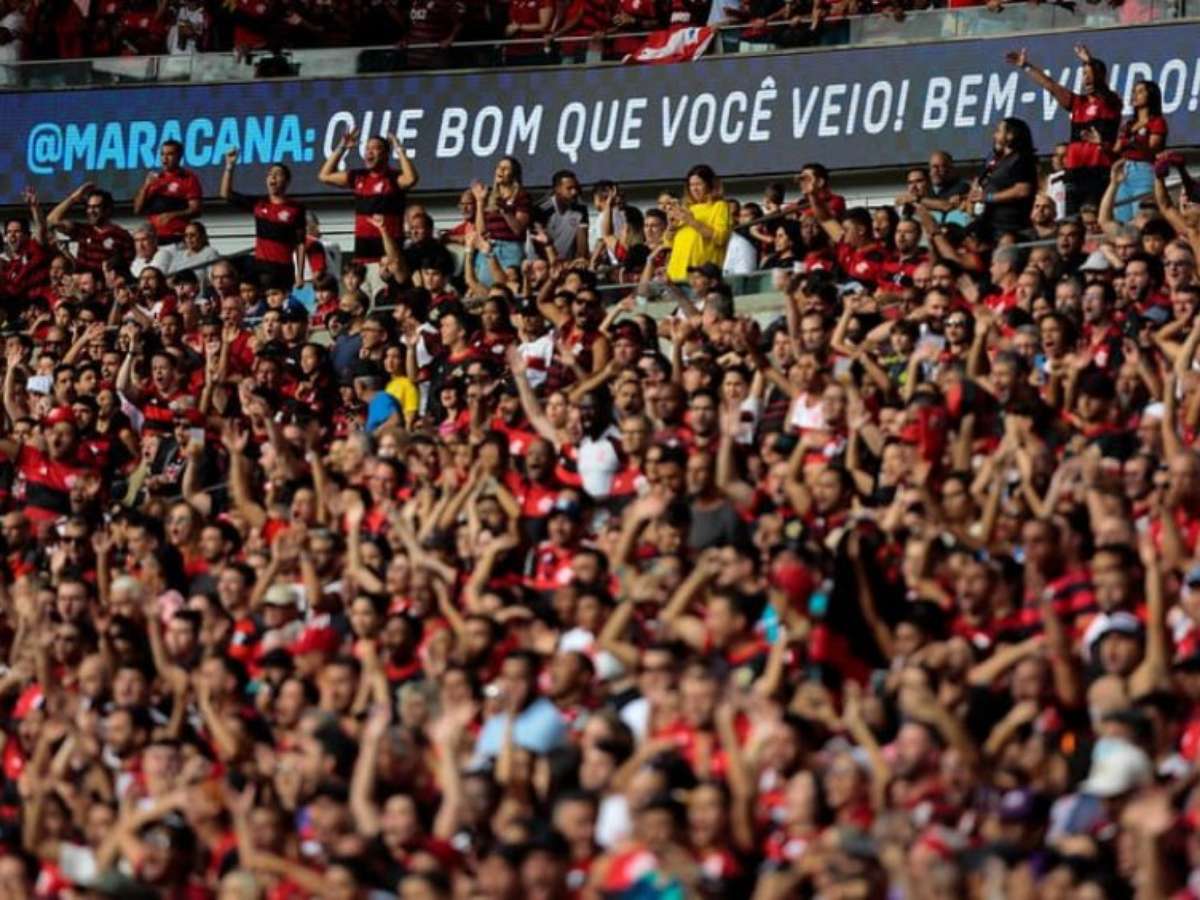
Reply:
x=673, y=45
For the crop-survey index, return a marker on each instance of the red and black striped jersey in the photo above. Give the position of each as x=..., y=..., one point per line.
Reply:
x=170, y=192
x=25, y=271
x=376, y=193
x=278, y=227
x=96, y=243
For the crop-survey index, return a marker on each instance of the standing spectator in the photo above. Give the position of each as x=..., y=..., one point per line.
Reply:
x=279, y=225
x=1008, y=185
x=587, y=20
x=702, y=224
x=1139, y=141
x=12, y=39
x=379, y=190
x=1095, y=120
x=433, y=26
x=502, y=216
x=190, y=32
x=563, y=217
x=170, y=197
x=528, y=22
x=252, y=22
x=25, y=265
x=98, y=239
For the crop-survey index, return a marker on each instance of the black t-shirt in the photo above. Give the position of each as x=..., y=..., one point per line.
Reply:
x=1011, y=215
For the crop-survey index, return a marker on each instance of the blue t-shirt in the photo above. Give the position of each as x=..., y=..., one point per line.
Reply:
x=539, y=728
x=382, y=406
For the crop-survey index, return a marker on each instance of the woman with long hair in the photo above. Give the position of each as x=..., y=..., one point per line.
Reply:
x=1139, y=141
x=701, y=223
x=502, y=216
x=786, y=246
x=1008, y=184
x=316, y=383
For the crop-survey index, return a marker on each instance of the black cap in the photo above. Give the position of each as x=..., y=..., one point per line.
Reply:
x=710, y=270
x=547, y=840
x=366, y=368
x=673, y=452
x=276, y=659
x=294, y=313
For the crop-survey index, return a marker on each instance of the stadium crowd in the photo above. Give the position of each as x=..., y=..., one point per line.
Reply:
x=469, y=578
x=440, y=33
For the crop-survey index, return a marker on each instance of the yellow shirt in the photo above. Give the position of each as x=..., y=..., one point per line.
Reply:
x=406, y=395
x=689, y=248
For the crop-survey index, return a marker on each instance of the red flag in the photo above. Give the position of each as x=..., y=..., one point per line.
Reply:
x=673, y=45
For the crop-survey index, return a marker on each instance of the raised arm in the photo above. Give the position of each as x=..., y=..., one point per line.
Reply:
x=57, y=219
x=1154, y=671
x=226, y=190
x=408, y=177
x=1108, y=200
x=362, y=781
x=329, y=173
x=239, y=481
x=529, y=401
x=690, y=629
x=1020, y=59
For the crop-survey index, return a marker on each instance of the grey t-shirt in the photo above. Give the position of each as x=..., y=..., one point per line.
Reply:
x=715, y=527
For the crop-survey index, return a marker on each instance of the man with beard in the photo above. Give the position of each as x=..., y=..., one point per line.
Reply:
x=97, y=239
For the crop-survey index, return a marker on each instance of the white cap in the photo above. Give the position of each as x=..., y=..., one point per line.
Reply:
x=1096, y=262
x=1106, y=623
x=1117, y=768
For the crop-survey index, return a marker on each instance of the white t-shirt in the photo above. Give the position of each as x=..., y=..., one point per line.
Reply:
x=741, y=257
x=161, y=261
x=182, y=46
x=538, y=355
x=807, y=413
x=1056, y=190
x=13, y=50
x=613, y=821
x=182, y=258
x=598, y=462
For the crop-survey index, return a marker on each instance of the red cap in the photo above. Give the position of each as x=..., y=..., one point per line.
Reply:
x=316, y=639
x=794, y=580
x=33, y=697
x=60, y=414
